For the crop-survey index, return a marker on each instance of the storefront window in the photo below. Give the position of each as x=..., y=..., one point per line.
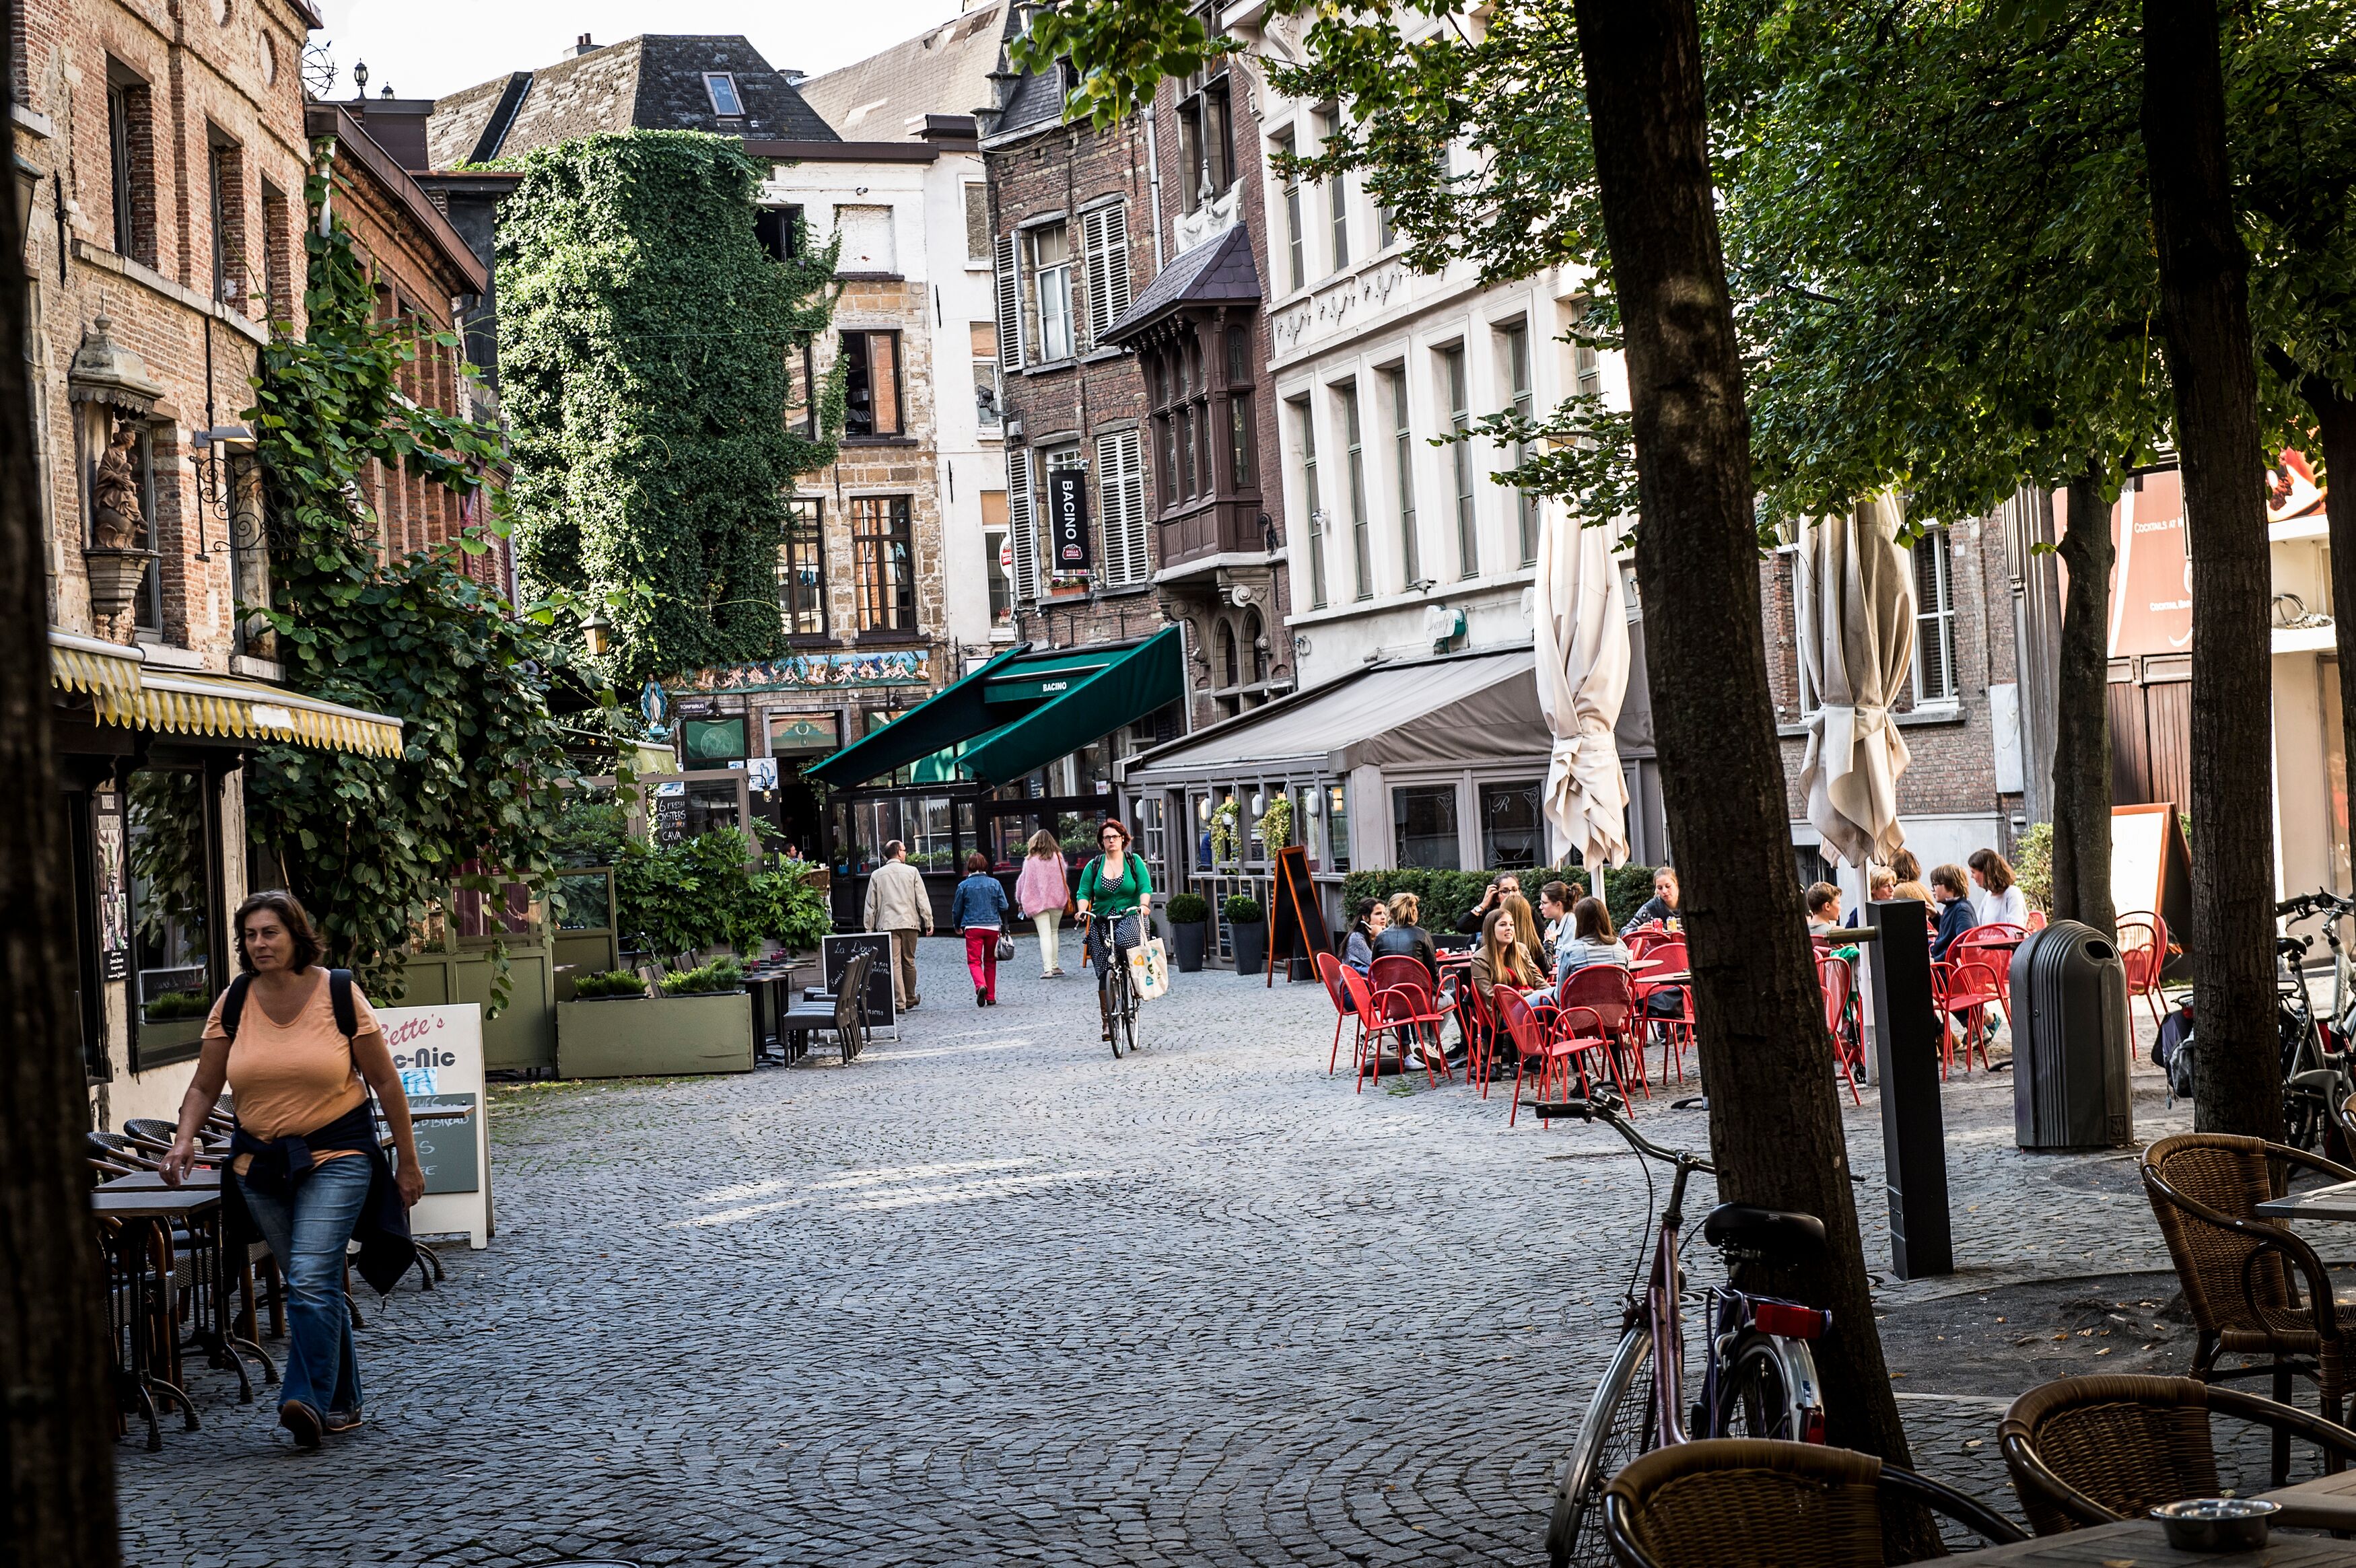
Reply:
x=1513, y=830
x=1337, y=826
x=1151, y=842
x=1424, y=822
x=173, y=962
x=1199, y=807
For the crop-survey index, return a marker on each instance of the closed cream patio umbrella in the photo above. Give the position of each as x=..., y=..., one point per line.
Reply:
x=1582, y=674
x=1856, y=597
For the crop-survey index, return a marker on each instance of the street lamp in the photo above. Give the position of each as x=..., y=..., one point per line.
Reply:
x=598, y=634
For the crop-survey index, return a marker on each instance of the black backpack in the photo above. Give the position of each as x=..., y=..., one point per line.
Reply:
x=339, y=997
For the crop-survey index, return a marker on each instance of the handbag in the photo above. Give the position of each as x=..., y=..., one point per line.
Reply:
x=1005, y=947
x=1149, y=969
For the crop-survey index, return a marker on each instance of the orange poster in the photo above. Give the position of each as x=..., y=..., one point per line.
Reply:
x=2151, y=604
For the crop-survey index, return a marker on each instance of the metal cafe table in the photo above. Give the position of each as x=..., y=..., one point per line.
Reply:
x=145, y=1271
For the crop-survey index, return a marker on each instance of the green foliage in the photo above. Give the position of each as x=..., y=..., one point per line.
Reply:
x=1275, y=826
x=1187, y=909
x=2032, y=865
x=608, y=982
x=677, y=899
x=1242, y=911
x=179, y=1005
x=368, y=843
x=1224, y=840
x=784, y=905
x=1446, y=895
x=723, y=973
x=644, y=340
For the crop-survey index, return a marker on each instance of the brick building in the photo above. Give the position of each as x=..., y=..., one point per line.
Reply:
x=162, y=158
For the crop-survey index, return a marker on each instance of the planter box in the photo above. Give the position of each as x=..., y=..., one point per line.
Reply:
x=1251, y=944
x=650, y=1037
x=1187, y=944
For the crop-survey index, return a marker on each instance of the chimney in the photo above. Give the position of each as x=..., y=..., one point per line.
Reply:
x=583, y=46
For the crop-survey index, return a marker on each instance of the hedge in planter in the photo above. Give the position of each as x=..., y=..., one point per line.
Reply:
x=1189, y=934
x=1448, y=894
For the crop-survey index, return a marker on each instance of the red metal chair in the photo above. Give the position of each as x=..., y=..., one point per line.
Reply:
x=1478, y=1021
x=2144, y=950
x=1970, y=991
x=1839, y=983
x=2037, y=920
x=1608, y=993
x=1329, y=970
x=1667, y=953
x=1406, y=1004
x=1558, y=1056
x=1367, y=1047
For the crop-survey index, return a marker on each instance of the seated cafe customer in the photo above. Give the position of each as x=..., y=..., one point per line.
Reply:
x=1824, y=910
x=1589, y=941
x=1956, y=913
x=1660, y=907
x=1358, y=950
x=300, y=1048
x=1404, y=936
x=1883, y=886
x=1501, y=959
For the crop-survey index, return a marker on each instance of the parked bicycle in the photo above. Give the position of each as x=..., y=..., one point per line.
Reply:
x=2318, y=1070
x=1116, y=994
x=1758, y=1375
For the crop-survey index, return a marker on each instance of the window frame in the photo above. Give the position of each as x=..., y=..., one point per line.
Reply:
x=884, y=527
x=1354, y=446
x=1305, y=451
x=1937, y=620
x=1394, y=380
x=1457, y=375
x=1448, y=792
x=1513, y=338
x=865, y=369
x=1295, y=231
x=1056, y=275
x=727, y=79
x=798, y=599
x=1337, y=194
x=130, y=159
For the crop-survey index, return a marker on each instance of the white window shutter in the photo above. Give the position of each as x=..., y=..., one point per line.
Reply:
x=1020, y=527
x=1009, y=303
x=1106, y=232
x=1120, y=490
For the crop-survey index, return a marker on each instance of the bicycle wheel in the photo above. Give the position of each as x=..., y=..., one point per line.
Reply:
x=1621, y=1424
x=1129, y=1016
x=1112, y=991
x=1769, y=1390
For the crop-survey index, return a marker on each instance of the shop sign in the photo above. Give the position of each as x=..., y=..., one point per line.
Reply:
x=812, y=672
x=113, y=894
x=803, y=733
x=1067, y=520
x=2151, y=608
x=438, y=1052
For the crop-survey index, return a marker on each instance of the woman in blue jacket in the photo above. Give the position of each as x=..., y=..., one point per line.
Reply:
x=979, y=907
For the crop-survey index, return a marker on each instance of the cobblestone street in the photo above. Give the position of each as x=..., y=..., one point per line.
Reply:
x=991, y=1294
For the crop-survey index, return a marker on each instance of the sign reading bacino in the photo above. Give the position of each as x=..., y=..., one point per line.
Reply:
x=1067, y=520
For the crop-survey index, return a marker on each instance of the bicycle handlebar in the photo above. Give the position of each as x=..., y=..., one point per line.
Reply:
x=2308, y=904
x=1601, y=1108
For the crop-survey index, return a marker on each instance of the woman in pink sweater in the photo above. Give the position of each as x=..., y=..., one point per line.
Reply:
x=1041, y=893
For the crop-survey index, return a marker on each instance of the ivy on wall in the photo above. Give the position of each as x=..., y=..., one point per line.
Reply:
x=370, y=843
x=648, y=344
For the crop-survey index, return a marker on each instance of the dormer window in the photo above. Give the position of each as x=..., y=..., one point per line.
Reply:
x=722, y=88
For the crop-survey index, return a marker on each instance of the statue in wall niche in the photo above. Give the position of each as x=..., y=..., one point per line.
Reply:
x=115, y=519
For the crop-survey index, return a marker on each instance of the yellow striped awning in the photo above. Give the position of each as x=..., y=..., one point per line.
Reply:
x=125, y=689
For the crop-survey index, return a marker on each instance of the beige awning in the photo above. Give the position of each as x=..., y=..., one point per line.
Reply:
x=125, y=689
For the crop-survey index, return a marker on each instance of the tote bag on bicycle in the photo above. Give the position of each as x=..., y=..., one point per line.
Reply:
x=1149, y=969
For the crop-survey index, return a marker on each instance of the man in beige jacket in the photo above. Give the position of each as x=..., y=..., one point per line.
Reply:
x=897, y=902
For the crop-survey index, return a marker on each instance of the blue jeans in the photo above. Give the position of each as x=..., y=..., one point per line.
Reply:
x=307, y=1238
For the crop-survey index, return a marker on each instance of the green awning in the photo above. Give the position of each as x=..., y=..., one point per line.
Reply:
x=1139, y=682
x=1036, y=680
x=941, y=767
x=956, y=713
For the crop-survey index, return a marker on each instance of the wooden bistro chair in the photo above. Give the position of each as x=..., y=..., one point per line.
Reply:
x=2244, y=1277
x=1407, y=1004
x=2087, y=1451
x=1747, y=1502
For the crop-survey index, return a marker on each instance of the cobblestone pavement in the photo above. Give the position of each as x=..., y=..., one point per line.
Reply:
x=990, y=1294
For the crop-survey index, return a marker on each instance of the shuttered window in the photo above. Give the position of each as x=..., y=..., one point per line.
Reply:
x=1934, y=620
x=1105, y=235
x=1023, y=530
x=1120, y=489
x=1010, y=304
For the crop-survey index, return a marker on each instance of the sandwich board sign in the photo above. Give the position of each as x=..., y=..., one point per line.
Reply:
x=438, y=1052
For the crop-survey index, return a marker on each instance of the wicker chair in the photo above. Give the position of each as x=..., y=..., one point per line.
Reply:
x=2242, y=1275
x=2086, y=1451
x=1744, y=1503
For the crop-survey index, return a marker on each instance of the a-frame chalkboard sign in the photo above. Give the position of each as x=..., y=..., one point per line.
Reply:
x=1296, y=916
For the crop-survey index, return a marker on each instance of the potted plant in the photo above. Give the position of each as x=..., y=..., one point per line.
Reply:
x=1247, y=930
x=701, y=1022
x=607, y=985
x=1276, y=824
x=1189, y=934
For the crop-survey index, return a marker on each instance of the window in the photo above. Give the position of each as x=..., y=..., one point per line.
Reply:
x=1423, y=823
x=1061, y=458
x=1256, y=646
x=871, y=383
x=779, y=229
x=801, y=389
x=1337, y=193
x=1403, y=475
x=801, y=569
x=1514, y=341
x=1585, y=363
x=1104, y=234
x=1337, y=828
x=985, y=374
x=721, y=88
x=1362, y=553
x=1051, y=274
x=1120, y=501
x=1307, y=434
x=1231, y=672
x=1513, y=829
x=1010, y=304
x=225, y=171
x=866, y=237
x=1023, y=530
x=1385, y=228
x=1207, y=155
x=1934, y=620
x=976, y=223
x=130, y=147
x=170, y=818
x=1240, y=439
x=998, y=557
x=1460, y=460
x=1293, y=233
x=883, y=539
x=277, y=262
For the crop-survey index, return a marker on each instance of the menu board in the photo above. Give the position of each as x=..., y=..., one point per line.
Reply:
x=438, y=1052
x=1296, y=916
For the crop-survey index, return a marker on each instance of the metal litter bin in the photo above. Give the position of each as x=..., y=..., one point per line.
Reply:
x=2070, y=1040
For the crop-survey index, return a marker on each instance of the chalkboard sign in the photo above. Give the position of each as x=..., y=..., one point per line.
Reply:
x=1296, y=915
x=835, y=951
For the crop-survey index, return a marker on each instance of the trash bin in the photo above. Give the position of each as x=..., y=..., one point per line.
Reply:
x=2070, y=1040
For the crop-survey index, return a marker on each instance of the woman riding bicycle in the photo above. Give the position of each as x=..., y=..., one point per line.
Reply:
x=1112, y=888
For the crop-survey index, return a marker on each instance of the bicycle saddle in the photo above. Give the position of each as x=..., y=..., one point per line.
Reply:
x=1776, y=1234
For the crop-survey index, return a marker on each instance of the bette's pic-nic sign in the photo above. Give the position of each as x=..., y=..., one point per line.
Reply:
x=438, y=1052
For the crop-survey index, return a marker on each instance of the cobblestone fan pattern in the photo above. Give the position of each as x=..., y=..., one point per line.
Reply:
x=990, y=1294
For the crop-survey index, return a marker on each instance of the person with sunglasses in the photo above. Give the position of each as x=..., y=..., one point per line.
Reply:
x=1113, y=887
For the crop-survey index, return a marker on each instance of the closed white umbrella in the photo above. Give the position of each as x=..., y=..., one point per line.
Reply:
x=1583, y=670
x=1856, y=645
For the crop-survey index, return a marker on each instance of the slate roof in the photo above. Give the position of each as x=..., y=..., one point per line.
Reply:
x=654, y=83
x=1217, y=272
x=886, y=97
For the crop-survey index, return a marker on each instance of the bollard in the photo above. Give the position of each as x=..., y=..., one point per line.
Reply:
x=1906, y=1056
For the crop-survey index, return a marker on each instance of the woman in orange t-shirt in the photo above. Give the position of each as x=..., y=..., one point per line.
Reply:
x=305, y=1162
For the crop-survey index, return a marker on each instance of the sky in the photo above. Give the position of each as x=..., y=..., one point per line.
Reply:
x=426, y=48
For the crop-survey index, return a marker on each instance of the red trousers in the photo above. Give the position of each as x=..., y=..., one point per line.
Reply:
x=981, y=959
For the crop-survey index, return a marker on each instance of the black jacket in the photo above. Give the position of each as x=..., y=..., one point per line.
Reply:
x=282, y=1163
x=1654, y=908
x=1413, y=940
x=1954, y=919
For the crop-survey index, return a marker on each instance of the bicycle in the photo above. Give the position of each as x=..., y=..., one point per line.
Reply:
x=2318, y=1073
x=1759, y=1377
x=1115, y=996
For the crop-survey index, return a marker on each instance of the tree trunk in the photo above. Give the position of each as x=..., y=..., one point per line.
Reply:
x=2335, y=421
x=2205, y=309
x=2081, y=744
x=1774, y=1123
x=55, y=1436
